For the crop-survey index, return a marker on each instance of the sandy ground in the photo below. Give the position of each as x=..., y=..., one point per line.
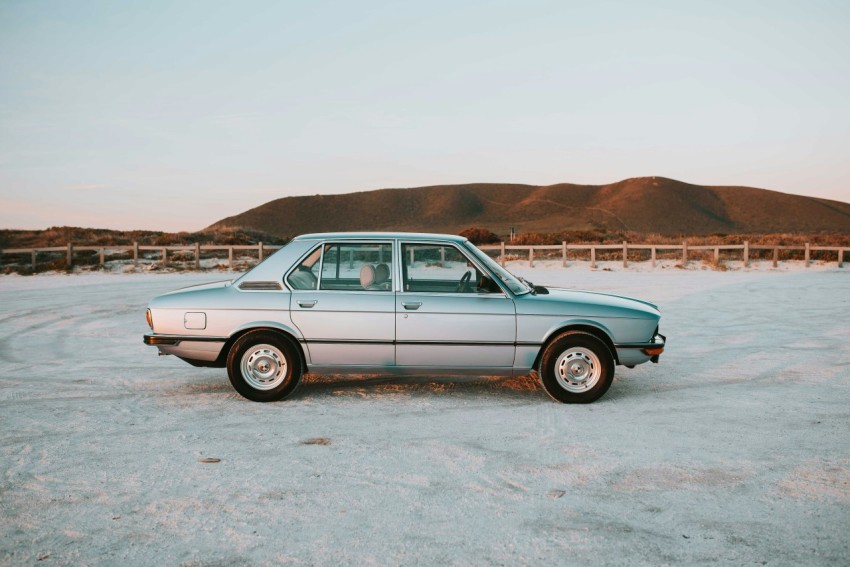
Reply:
x=735, y=449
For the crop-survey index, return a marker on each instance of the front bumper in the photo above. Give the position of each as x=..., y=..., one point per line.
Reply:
x=631, y=354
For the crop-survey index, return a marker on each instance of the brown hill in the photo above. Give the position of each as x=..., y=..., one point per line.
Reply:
x=644, y=204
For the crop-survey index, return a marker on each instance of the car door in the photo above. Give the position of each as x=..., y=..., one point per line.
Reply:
x=444, y=321
x=343, y=304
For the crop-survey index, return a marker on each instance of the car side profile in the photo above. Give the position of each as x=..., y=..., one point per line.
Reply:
x=400, y=303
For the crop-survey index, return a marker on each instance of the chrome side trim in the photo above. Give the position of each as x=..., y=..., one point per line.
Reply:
x=430, y=343
x=658, y=340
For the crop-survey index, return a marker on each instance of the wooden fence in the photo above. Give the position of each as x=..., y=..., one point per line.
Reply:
x=561, y=250
x=684, y=247
x=139, y=251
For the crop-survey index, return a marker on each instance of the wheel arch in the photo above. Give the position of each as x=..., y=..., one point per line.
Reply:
x=284, y=332
x=589, y=327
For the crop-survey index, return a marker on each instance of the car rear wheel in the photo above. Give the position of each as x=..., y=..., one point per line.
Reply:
x=264, y=367
x=577, y=368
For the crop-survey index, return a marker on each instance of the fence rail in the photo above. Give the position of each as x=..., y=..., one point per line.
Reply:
x=261, y=249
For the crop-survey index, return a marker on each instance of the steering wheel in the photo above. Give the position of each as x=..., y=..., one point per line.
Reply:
x=463, y=284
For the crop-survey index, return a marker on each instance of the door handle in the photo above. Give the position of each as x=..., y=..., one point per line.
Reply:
x=307, y=304
x=411, y=305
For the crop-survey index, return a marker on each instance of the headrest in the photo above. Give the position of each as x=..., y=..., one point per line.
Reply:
x=367, y=275
x=382, y=273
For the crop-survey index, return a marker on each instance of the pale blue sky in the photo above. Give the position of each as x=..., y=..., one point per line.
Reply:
x=172, y=115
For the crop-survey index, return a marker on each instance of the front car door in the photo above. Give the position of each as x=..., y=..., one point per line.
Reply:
x=343, y=304
x=443, y=319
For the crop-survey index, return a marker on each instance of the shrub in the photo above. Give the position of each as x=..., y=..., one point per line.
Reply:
x=478, y=235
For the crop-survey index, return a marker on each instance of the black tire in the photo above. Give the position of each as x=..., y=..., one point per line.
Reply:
x=576, y=368
x=260, y=351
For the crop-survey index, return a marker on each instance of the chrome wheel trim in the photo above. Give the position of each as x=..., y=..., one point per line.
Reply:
x=578, y=369
x=263, y=367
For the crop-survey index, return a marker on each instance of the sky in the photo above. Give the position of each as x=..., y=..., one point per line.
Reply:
x=172, y=115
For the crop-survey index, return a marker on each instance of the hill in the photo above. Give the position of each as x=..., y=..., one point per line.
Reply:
x=644, y=204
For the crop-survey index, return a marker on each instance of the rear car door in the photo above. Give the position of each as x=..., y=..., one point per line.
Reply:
x=343, y=303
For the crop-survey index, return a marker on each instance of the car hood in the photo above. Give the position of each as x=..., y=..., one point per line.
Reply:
x=578, y=302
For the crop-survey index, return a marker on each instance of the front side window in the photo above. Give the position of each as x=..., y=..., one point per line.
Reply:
x=440, y=268
x=357, y=267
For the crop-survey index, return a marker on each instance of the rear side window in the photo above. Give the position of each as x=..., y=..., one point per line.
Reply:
x=357, y=267
x=306, y=275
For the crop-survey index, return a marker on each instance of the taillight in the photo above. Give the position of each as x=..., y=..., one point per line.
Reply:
x=149, y=317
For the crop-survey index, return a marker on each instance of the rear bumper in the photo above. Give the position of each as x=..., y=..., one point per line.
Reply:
x=156, y=340
x=192, y=348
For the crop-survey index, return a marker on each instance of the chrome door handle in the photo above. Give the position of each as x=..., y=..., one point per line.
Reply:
x=411, y=305
x=307, y=304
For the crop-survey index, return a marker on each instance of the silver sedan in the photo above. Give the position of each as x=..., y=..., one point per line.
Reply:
x=400, y=303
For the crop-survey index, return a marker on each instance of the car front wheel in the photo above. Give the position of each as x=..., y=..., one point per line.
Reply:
x=577, y=368
x=264, y=367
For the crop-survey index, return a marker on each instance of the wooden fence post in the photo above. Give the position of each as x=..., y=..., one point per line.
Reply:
x=625, y=254
x=808, y=254
x=746, y=253
x=102, y=258
x=593, y=256
x=502, y=254
x=230, y=257
x=34, y=252
x=135, y=253
x=564, y=254
x=684, y=253
x=716, y=255
x=260, y=248
x=164, y=256
x=775, y=256
x=530, y=257
x=70, y=257
x=197, y=255
x=840, y=259
x=653, y=256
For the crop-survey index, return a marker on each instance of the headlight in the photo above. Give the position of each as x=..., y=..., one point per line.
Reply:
x=149, y=317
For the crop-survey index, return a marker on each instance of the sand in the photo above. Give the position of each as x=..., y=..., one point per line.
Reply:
x=734, y=449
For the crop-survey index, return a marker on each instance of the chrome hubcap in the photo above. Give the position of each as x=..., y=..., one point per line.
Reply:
x=263, y=367
x=578, y=369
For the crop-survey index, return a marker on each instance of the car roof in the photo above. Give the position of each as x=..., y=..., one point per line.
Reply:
x=381, y=235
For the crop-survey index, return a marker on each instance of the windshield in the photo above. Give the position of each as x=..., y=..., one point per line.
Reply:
x=510, y=280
